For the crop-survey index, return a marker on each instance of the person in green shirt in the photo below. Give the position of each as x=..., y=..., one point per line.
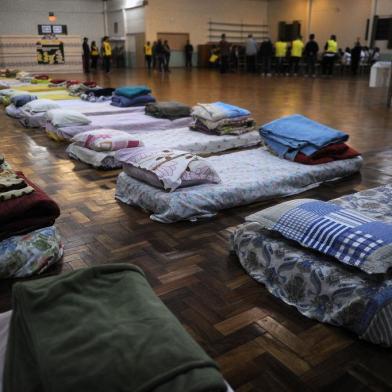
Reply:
x=280, y=56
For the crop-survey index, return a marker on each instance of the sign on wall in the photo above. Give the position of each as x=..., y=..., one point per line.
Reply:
x=50, y=51
x=52, y=29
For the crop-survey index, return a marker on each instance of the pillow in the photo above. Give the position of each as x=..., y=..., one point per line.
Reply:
x=21, y=100
x=349, y=236
x=41, y=105
x=106, y=140
x=167, y=169
x=64, y=118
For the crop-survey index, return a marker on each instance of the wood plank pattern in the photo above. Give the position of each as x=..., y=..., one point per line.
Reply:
x=260, y=343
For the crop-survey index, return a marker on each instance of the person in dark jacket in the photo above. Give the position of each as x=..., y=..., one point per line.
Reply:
x=311, y=53
x=355, y=57
x=188, y=54
x=86, y=55
x=160, y=55
x=224, y=54
x=167, y=55
x=94, y=54
x=266, y=53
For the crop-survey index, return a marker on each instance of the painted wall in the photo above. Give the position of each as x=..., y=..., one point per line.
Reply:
x=192, y=16
x=82, y=17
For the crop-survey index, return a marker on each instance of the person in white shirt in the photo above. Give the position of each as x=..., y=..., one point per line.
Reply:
x=251, y=52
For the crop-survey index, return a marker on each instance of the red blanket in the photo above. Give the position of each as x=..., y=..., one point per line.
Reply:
x=27, y=213
x=334, y=152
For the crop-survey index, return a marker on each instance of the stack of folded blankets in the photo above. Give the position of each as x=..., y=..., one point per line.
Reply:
x=24, y=77
x=222, y=119
x=97, y=94
x=128, y=96
x=29, y=243
x=299, y=139
x=40, y=79
x=58, y=83
x=169, y=110
x=7, y=94
x=77, y=89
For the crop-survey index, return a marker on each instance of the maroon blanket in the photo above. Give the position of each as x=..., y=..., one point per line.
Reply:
x=333, y=152
x=27, y=213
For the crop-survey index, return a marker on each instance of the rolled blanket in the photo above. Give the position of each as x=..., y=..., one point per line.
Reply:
x=132, y=91
x=28, y=212
x=21, y=100
x=106, y=327
x=124, y=102
x=226, y=126
x=170, y=110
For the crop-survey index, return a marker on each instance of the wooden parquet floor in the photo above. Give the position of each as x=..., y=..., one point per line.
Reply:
x=260, y=343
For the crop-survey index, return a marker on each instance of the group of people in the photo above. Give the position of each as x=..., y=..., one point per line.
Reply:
x=285, y=58
x=91, y=54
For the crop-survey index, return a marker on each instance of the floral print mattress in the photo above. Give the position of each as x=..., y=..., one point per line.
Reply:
x=319, y=287
x=247, y=177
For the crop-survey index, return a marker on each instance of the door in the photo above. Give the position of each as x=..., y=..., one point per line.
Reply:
x=135, y=50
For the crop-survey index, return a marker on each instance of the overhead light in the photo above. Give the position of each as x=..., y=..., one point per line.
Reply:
x=52, y=17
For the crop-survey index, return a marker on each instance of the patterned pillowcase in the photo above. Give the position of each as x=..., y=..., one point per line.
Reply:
x=167, y=169
x=106, y=140
x=350, y=237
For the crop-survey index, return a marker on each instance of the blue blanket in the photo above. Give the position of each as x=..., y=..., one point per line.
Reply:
x=124, y=102
x=21, y=100
x=292, y=134
x=132, y=91
x=232, y=111
x=352, y=238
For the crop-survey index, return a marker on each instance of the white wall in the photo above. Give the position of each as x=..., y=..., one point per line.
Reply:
x=192, y=16
x=82, y=17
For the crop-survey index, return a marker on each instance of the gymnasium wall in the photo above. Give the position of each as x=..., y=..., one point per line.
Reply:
x=82, y=17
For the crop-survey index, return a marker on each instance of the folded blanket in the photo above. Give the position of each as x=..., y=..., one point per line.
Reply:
x=58, y=81
x=114, y=335
x=93, y=98
x=333, y=152
x=170, y=110
x=124, y=102
x=290, y=135
x=41, y=76
x=27, y=213
x=132, y=91
x=225, y=126
x=218, y=111
x=21, y=100
x=101, y=92
x=12, y=186
x=30, y=254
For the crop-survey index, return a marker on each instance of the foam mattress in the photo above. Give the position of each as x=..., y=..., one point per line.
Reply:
x=247, y=177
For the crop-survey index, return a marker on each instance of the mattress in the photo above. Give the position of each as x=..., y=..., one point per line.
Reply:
x=247, y=177
x=35, y=88
x=182, y=139
x=38, y=120
x=316, y=285
x=121, y=121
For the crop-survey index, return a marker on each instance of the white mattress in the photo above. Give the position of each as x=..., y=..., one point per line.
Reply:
x=247, y=177
x=181, y=139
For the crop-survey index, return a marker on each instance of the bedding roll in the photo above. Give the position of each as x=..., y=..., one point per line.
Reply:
x=27, y=213
x=101, y=329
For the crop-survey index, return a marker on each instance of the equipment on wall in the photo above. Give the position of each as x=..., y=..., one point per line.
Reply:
x=52, y=17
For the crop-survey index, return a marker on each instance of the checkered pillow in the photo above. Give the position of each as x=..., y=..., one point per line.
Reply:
x=348, y=236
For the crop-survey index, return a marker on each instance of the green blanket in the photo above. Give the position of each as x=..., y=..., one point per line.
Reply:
x=101, y=329
x=170, y=110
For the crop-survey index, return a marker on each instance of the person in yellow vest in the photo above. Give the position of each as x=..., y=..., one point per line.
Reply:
x=280, y=56
x=94, y=55
x=148, y=54
x=106, y=53
x=297, y=48
x=330, y=55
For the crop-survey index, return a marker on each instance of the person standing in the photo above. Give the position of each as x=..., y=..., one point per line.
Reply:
x=94, y=54
x=167, y=54
x=188, y=54
x=148, y=54
x=280, y=56
x=331, y=50
x=311, y=53
x=297, y=47
x=251, y=52
x=224, y=53
x=107, y=54
x=266, y=53
x=356, y=57
x=160, y=55
x=86, y=55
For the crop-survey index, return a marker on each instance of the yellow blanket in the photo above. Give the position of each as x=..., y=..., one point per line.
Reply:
x=34, y=88
x=55, y=95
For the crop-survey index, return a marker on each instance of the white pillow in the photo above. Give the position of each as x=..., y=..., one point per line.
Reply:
x=106, y=140
x=64, y=118
x=41, y=105
x=167, y=169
